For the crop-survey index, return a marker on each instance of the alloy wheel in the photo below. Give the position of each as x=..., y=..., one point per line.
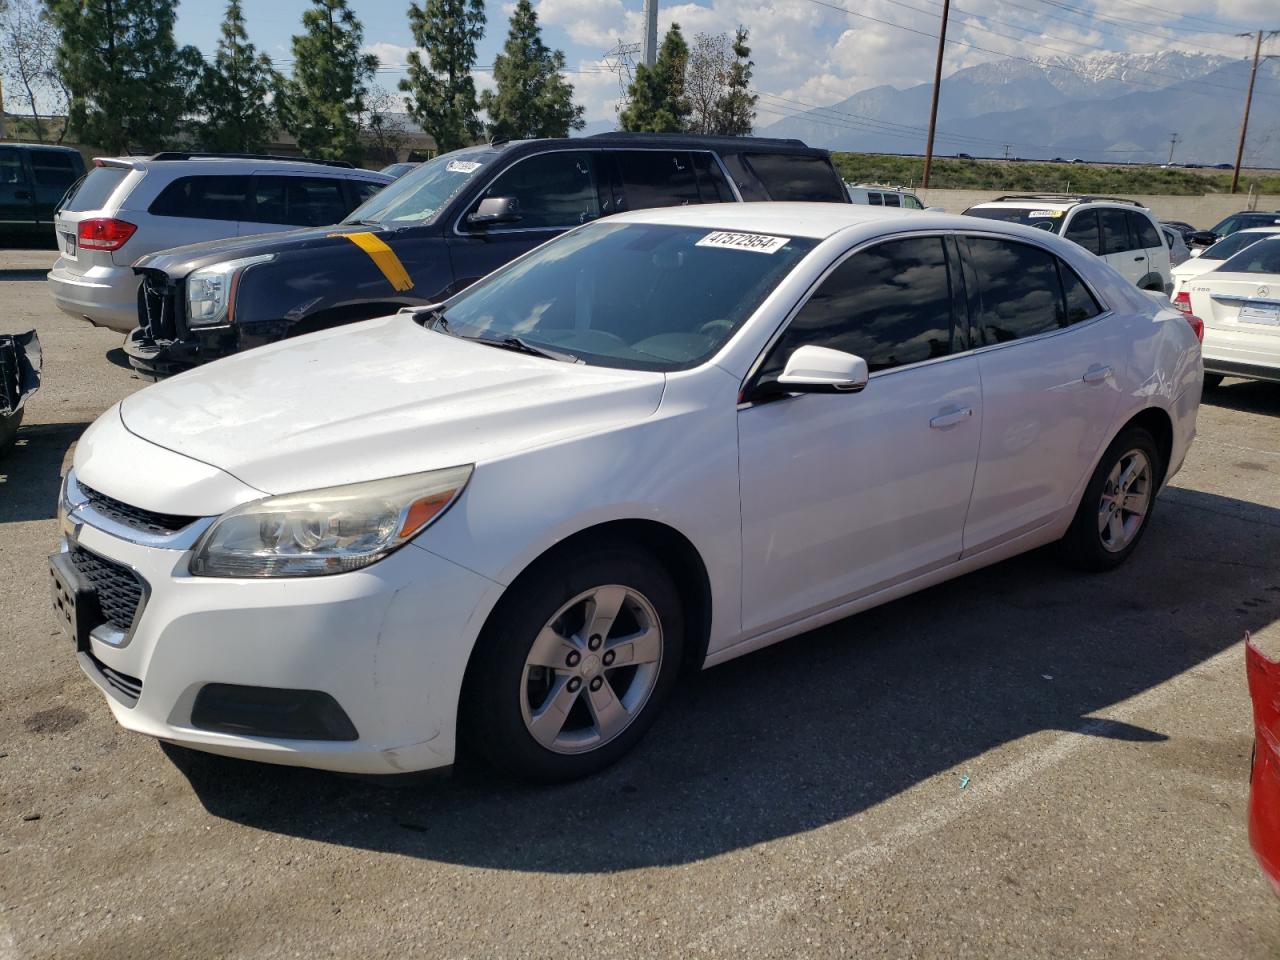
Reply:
x=1126, y=500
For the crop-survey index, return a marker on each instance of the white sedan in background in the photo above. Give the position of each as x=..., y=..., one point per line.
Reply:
x=1239, y=302
x=1212, y=257
x=664, y=439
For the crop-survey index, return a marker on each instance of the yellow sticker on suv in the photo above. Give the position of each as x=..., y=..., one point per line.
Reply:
x=383, y=257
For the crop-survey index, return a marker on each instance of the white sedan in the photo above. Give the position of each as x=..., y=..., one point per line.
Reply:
x=1239, y=302
x=1210, y=258
x=665, y=439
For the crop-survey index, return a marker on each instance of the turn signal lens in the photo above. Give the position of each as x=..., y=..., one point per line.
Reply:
x=104, y=233
x=1183, y=302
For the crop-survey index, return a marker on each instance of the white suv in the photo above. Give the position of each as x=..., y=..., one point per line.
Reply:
x=1121, y=232
x=126, y=207
x=877, y=196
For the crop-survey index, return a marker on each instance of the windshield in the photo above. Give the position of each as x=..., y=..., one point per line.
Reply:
x=1259, y=258
x=1230, y=246
x=421, y=194
x=633, y=295
x=1050, y=220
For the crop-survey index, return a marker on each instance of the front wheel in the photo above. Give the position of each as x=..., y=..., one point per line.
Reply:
x=575, y=664
x=1116, y=508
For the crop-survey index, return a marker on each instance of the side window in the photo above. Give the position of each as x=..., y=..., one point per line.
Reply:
x=1141, y=228
x=892, y=200
x=297, y=201
x=53, y=169
x=1019, y=293
x=11, y=172
x=792, y=177
x=912, y=202
x=364, y=190
x=1083, y=229
x=657, y=178
x=890, y=305
x=1081, y=304
x=554, y=190
x=711, y=181
x=875, y=199
x=1115, y=231
x=202, y=198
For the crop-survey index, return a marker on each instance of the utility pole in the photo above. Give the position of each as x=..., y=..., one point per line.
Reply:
x=937, y=83
x=1173, y=142
x=1248, y=102
x=1006, y=150
x=649, y=55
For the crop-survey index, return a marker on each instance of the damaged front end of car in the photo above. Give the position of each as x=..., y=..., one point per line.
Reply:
x=20, y=361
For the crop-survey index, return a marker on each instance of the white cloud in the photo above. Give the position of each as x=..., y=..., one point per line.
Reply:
x=389, y=54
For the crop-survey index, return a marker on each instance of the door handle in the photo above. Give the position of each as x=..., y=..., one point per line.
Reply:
x=1138, y=259
x=1096, y=374
x=951, y=418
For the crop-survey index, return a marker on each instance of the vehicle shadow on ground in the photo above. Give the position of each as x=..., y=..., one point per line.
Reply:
x=31, y=472
x=1247, y=396
x=26, y=274
x=826, y=725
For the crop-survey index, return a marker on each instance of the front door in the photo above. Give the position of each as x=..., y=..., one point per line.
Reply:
x=17, y=200
x=846, y=494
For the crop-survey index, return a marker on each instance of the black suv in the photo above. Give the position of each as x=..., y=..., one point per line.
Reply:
x=438, y=229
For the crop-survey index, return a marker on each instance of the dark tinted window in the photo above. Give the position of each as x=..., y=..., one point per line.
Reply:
x=875, y=199
x=1263, y=257
x=892, y=200
x=797, y=178
x=1144, y=231
x=297, y=201
x=1019, y=294
x=53, y=169
x=1115, y=231
x=1081, y=304
x=657, y=178
x=1083, y=229
x=365, y=189
x=711, y=180
x=11, y=172
x=96, y=189
x=889, y=305
x=553, y=189
x=202, y=198
x=1230, y=246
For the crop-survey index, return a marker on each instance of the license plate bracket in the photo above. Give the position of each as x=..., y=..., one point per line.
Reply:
x=75, y=601
x=1266, y=314
x=70, y=243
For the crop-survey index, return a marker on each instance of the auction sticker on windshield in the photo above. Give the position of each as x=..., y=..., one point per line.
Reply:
x=462, y=166
x=1044, y=213
x=755, y=242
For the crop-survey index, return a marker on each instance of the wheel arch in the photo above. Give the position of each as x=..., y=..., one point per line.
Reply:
x=1152, y=282
x=1157, y=422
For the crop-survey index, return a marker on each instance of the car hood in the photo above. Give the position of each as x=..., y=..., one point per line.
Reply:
x=378, y=399
x=177, y=262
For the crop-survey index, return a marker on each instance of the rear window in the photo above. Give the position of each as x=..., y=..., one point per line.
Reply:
x=1262, y=257
x=297, y=201
x=96, y=189
x=1230, y=246
x=789, y=177
x=202, y=198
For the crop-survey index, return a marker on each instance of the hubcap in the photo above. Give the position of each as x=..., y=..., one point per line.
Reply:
x=1126, y=498
x=591, y=669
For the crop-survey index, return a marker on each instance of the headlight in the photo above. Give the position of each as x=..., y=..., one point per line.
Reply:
x=210, y=290
x=325, y=531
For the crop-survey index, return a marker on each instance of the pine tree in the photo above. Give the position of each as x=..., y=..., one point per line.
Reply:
x=532, y=99
x=657, y=101
x=321, y=103
x=736, y=111
x=129, y=82
x=234, y=91
x=442, y=93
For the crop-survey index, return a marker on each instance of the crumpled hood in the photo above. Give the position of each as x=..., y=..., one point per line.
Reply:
x=378, y=399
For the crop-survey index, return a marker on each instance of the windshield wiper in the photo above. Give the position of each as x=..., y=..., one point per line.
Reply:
x=362, y=223
x=520, y=345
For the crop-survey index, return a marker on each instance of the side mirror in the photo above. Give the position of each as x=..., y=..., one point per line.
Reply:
x=1202, y=238
x=1196, y=251
x=495, y=210
x=813, y=369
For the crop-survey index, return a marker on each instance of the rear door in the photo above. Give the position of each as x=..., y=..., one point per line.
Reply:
x=190, y=209
x=17, y=199
x=1120, y=247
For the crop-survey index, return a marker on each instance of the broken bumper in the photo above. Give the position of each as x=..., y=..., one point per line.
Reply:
x=20, y=360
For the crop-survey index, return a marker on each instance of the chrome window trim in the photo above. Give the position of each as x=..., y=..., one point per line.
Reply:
x=457, y=223
x=972, y=351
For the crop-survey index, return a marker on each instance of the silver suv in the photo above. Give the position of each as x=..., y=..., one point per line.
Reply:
x=126, y=207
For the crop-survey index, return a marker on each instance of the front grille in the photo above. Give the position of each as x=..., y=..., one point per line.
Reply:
x=131, y=687
x=148, y=521
x=157, y=307
x=119, y=588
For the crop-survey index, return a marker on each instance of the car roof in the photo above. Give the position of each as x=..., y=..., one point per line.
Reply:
x=618, y=140
x=197, y=165
x=813, y=220
x=48, y=147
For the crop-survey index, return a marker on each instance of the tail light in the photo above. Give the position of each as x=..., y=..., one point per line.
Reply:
x=1183, y=302
x=105, y=233
x=1197, y=326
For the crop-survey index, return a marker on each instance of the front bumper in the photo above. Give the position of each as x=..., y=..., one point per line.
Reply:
x=105, y=296
x=389, y=644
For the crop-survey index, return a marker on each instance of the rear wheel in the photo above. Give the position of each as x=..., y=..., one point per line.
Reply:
x=1116, y=508
x=575, y=664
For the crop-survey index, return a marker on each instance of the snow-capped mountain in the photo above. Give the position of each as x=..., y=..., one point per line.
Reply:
x=1108, y=106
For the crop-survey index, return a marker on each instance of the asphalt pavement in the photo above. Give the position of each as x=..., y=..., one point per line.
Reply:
x=1025, y=762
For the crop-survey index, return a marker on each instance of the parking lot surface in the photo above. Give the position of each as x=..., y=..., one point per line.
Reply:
x=1025, y=762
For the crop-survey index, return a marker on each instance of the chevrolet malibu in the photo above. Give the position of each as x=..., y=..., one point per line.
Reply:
x=504, y=523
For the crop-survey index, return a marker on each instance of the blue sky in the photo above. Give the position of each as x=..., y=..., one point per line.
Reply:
x=807, y=52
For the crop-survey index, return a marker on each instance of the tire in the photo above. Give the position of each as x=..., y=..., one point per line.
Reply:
x=1089, y=544
x=538, y=649
x=1212, y=381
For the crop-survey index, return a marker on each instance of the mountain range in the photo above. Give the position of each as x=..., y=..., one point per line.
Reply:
x=1106, y=107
